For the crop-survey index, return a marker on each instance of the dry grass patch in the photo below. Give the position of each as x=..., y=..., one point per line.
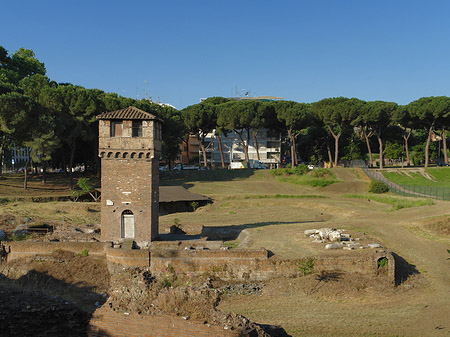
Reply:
x=439, y=225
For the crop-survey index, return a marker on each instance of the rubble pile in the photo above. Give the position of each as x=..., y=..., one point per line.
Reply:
x=135, y=290
x=337, y=239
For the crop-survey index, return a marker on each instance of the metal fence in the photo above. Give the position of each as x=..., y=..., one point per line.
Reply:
x=442, y=193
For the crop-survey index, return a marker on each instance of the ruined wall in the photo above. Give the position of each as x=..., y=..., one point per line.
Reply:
x=207, y=257
x=364, y=262
x=24, y=249
x=106, y=322
x=255, y=265
x=128, y=258
x=232, y=264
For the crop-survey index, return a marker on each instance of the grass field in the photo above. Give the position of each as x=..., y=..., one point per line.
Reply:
x=276, y=213
x=438, y=177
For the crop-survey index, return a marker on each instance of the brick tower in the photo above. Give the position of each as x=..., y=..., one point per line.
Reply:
x=129, y=148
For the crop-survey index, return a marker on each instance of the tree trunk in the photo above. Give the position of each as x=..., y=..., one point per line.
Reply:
x=187, y=150
x=380, y=142
x=366, y=137
x=336, y=145
x=202, y=145
x=44, y=172
x=25, y=179
x=406, y=138
x=427, y=146
x=1, y=159
x=247, y=158
x=220, y=150
x=245, y=146
x=330, y=159
x=255, y=140
x=291, y=139
x=294, y=144
x=72, y=155
x=444, y=145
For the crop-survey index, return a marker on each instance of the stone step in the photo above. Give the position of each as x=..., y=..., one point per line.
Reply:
x=127, y=244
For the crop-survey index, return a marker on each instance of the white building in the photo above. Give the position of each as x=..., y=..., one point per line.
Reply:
x=269, y=145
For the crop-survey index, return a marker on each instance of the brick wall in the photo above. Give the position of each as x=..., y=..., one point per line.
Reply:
x=24, y=249
x=105, y=322
x=128, y=258
x=130, y=180
x=255, y=265
x=231, y=264
x=364, y=262
x=127, y=185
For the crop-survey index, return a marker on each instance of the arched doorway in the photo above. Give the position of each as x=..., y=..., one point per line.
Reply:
x=127, y=224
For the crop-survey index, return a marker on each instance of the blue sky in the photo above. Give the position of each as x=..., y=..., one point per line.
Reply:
x=181, y=51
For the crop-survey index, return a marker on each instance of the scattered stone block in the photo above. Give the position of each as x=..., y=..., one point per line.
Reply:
x=22, y=229
x=336, y=245
x=374, y=245
x=311, y=232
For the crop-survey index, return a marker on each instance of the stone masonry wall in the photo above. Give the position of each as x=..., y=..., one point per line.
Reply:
x=106, y=322
x=364, y=262
x=24, y=249
x=231, y=264
x=127, y=185
x=255, y=265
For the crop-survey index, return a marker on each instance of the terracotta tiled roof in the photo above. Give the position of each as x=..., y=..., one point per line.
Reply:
x=128, y=113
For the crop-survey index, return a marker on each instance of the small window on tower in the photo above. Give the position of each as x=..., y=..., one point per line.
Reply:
x=116, y=129
x=136, y=130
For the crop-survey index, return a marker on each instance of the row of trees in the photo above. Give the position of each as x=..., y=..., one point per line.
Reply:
x=314, y=125
x=57, y=122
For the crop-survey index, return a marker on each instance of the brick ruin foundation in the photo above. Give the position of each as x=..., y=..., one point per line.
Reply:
x=195, y=258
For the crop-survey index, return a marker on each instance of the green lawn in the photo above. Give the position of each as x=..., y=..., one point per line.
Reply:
x=441, y=177
x=314, y=178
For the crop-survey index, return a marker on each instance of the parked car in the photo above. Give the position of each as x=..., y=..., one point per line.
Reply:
x=179, y=167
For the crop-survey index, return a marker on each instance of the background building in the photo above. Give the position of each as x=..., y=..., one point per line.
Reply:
x=269, y=146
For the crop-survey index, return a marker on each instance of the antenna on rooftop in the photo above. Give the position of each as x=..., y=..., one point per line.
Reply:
x=146, y=86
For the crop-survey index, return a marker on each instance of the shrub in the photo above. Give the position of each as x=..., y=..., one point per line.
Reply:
x=84, y=252
x=306, y=266
x=320, y=173
x=378, y=187
x=383, y=262
x=301, y=170
x=194, y=205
